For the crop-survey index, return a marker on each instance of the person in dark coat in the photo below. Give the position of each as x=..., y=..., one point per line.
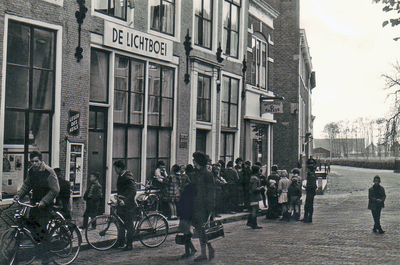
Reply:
x=272, y=195
x=246, y=183
x=230, y=190
x=203, y=202
x=294, y=196
x=64, y=196
x=126, y=190
x=311, y=190
x=255, y=196
x=92, y=196
x=185, y=210
x=274, y=175
x=376, y=201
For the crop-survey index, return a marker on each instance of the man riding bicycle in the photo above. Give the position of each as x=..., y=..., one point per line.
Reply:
x=42, y=182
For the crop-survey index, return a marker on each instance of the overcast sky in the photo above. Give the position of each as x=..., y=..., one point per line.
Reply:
x=350, y=51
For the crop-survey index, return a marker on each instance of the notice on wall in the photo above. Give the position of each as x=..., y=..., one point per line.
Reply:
x=73, y=123
x=183, y=140
x=128, y=39
x=271, y=106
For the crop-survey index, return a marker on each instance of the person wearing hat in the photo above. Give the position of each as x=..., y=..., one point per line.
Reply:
x=272, y=195
x=294, y=195
x=376, y=201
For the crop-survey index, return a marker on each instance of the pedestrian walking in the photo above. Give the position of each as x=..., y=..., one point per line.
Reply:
x=93, y=197
x=255, y=196
x=126, y=191
x=64, y=196
x=283, y=187
x=376, y=201
x=203, y=203
x=185, y=211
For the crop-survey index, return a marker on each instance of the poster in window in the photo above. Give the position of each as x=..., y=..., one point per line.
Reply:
x=75, y=166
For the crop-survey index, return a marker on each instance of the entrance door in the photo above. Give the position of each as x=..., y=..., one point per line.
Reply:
x=97, y=144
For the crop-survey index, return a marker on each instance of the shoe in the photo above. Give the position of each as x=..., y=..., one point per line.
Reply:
x=211, y=253
x=381, y=232
x=374, y=230
x=257, y=227
x=192, y=252
x=185, y=256
x=200, y=258
x=82, y=227
x=127, y=248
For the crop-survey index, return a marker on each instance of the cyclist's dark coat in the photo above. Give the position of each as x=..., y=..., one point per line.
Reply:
x=126, y=187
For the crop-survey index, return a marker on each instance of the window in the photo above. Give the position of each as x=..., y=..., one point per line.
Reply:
x=99, y=63
x=29, y=100
x=204, y=98
x=231, y=26
x=115, y=8
x=229, y=102
x=162, y=16
x=128, y=112
x=259, y=71
x=203, y=23
x=160, y=116
x=227, y=146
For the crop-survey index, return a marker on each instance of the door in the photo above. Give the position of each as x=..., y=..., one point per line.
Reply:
x=97, y=145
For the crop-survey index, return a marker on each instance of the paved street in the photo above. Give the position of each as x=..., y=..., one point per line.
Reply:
x=341, y=232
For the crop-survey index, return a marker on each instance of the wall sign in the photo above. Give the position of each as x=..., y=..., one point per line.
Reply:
x=73, y=122
x=74, y=169
x=121, y=37
x=183, y=140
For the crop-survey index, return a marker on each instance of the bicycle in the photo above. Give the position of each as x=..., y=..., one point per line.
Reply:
x=150, y=228
x=18, y=246
x=149, y=200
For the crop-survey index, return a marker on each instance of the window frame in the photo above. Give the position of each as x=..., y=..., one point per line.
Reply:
x=108, y=13
x=202, y=99
x=229, y=102
x=229, y=30
x=199, y=29
x=260, y=62
x=159, y=29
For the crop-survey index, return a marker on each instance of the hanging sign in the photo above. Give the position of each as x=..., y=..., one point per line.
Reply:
x=271, y=106
x=73, y=123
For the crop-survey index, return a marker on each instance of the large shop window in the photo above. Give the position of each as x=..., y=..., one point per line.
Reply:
x=203, y=23
x=29, y=100
x=204, y=98
x=115, y=8
x=259, y=71
x=162, y=16
x=231, y=15
x=128, y=113
x=160, y=117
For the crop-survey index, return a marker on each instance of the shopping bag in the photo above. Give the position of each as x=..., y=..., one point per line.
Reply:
x=180, y=239
x=212, y=229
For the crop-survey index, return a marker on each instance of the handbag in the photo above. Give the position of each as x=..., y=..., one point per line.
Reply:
x=213, y=230
x=180, y=239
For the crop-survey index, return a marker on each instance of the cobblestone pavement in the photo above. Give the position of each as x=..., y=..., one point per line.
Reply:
x=340, y=234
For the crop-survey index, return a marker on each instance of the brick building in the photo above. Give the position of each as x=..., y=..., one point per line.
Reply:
x=122, y=84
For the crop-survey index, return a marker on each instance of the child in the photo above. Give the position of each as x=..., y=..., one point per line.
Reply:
x=294, y=195
x=272, y=195
x=92, y=196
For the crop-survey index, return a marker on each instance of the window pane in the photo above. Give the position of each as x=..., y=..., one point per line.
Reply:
x=154, y=80
x=14, y=131
x=207, y=33
x=233, y=116
x=133, y=165
x=165, y=143
x=17, y=87
x=39, y=131
x=234, y=90
x=197, y=7
x=234, y=44
x=100, y=120
x=18, y=43
x=153, y=110
x=168, y=18
x=136, y=108
x=198, y=34
x=224, y=114
x=119, y=146
x=229, y=145
x=207, y=87
x=207, y=9
x=42, y=97
x=155, y=14
x=151, y=143
x=137, y=76
x=118, y=8
x=92, y=120
x=43, y=49
x=121, y=73
x=120, y=107
x=225, y=90
x=134, y=142
x=235, y=18
x=166, y=113
x=102, y=5
x=98, y=76
x=168, y=83
x=226, y=14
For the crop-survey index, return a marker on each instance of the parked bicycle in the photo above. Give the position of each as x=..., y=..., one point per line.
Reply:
x=148, y=199
x=18, y=246
x=151, y=228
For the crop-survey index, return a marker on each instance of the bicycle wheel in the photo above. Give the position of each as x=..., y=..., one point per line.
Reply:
x=102, y=232
x=66, y=243
x=18, y=247
x=153, y=230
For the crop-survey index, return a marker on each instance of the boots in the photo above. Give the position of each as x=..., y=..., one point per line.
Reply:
x=255, y=225
x=250, y=221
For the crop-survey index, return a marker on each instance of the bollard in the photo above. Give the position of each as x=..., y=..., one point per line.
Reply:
x=319, y=186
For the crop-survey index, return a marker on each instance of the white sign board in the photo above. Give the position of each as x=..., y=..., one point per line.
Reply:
x=271, y=106
x=124, y=38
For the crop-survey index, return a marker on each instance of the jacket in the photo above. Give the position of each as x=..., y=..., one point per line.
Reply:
x=126, y=186
x=375, y=193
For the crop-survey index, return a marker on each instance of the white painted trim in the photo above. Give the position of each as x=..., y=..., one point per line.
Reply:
x=56, y=2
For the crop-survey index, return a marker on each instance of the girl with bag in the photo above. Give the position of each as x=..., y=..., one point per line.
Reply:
x=185, y=210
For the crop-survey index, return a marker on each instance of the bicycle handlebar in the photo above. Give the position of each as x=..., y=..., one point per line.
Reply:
x=27, y=204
